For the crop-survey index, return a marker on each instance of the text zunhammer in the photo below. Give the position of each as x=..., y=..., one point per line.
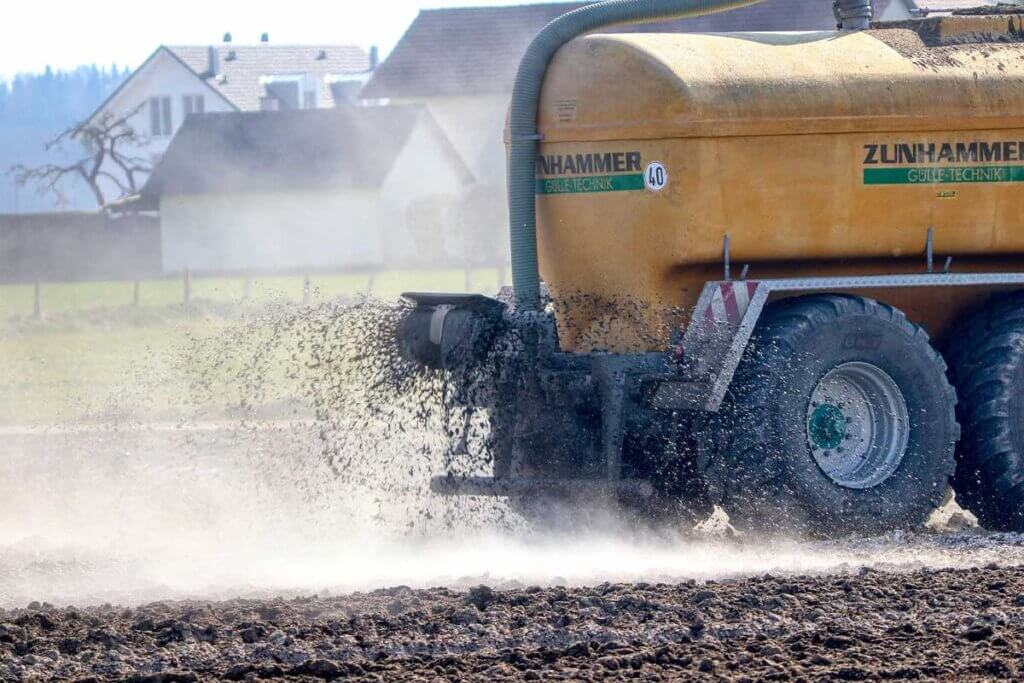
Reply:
x=948, y=152
x=587, y=164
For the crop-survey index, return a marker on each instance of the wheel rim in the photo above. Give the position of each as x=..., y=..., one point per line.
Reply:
x=858, y=425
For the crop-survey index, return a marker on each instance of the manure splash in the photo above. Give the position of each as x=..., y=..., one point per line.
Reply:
x=304, y=468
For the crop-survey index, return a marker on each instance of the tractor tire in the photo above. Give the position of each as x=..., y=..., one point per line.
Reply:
x=986, y=359
x=840, y=420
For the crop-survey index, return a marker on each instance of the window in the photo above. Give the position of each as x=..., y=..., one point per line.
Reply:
x=160, y=122
x=292, y=91
x=193, y=104
x=286, y=91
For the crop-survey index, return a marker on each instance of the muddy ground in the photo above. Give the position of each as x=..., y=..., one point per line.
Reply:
x=868, y=625
x=195, y=517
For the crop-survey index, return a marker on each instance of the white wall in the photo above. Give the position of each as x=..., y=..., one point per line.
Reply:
x=424, y=167
x=271, y=230
x=475, y=126
x=297, y=229
x=162, y=76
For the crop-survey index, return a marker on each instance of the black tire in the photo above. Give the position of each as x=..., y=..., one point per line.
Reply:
x=986, y=359
x=757, y=457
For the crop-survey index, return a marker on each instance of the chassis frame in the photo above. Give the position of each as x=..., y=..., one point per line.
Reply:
x=711, y=347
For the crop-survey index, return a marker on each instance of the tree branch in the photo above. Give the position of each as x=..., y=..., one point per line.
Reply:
x=103, y=141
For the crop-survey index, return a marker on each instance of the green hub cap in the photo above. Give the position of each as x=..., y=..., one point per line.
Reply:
x=858, y=425
x=827, y=427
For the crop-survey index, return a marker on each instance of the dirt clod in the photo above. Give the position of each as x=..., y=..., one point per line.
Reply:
x=523, y=635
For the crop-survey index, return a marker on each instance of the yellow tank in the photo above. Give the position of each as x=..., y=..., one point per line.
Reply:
x=817, y=153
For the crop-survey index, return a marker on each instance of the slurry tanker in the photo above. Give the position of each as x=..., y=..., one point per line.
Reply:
x=780, y=273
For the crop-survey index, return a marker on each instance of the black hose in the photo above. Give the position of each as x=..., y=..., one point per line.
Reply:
x=523, y=116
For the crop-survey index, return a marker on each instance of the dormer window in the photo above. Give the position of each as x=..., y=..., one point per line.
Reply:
x=298, y=91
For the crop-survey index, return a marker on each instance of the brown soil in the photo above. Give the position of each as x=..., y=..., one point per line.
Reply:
x=946, y=625
x=922, y=45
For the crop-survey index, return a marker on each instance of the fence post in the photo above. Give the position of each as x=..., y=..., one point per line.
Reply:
x=307, y=290
x=371, y=282
x=247, y=288
x=187, y=288
x=37, y=300
x=136, y=298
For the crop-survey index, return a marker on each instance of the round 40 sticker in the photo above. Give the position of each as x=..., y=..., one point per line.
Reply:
x=656, y=176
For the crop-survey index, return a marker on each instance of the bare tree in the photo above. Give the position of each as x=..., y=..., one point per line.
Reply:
x=108, y=143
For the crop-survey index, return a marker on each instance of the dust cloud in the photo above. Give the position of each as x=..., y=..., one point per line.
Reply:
x=129, y=517
x=303, y=468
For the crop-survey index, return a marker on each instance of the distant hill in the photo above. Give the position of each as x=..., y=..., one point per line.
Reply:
x=36, y=108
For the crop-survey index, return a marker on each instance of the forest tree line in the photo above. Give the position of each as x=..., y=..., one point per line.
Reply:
x=34, y=109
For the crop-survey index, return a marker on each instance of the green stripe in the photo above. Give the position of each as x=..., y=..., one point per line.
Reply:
x=936, y=175
x=593, y=183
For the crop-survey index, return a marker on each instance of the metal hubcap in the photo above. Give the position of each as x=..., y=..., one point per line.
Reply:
x=858, y=426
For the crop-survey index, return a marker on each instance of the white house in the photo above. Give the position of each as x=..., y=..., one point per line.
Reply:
x=179, y=80
x=287, y=190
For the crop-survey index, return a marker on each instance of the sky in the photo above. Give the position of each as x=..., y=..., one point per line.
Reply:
x=66, y=33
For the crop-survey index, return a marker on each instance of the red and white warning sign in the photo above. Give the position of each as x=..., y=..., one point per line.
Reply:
x=730, y=303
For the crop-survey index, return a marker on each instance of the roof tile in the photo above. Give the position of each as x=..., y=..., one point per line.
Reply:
x=241, y=66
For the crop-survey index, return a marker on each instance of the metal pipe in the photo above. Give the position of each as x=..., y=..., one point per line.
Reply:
x=524, y=138
x=853, y=15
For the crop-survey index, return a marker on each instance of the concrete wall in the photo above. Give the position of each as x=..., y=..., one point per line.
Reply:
x=54, y=247
x=289, y=229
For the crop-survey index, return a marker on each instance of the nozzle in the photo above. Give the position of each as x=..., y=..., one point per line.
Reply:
x=448, y=331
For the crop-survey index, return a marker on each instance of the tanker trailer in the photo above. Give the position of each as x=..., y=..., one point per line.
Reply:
x=730, y=255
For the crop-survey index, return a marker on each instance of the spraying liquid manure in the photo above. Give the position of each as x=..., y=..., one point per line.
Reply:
x=724, y=251
x=336, y=498
x=713, y=362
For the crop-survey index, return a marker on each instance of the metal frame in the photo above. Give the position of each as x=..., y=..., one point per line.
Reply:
x=713, y=345
x=713, y=351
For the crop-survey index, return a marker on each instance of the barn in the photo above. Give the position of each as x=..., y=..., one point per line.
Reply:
x=285, y=190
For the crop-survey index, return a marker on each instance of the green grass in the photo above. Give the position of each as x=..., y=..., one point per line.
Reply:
x=59, y=298
x=72, y=374
x=92, y=355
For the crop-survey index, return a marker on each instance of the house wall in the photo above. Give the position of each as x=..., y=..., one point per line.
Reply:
x=424, y=168
x=289, y=229
x=162, y=76
x=475, y=126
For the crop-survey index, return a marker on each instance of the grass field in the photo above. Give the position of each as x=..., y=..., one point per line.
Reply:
x=94, y=356
x=18, y=300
